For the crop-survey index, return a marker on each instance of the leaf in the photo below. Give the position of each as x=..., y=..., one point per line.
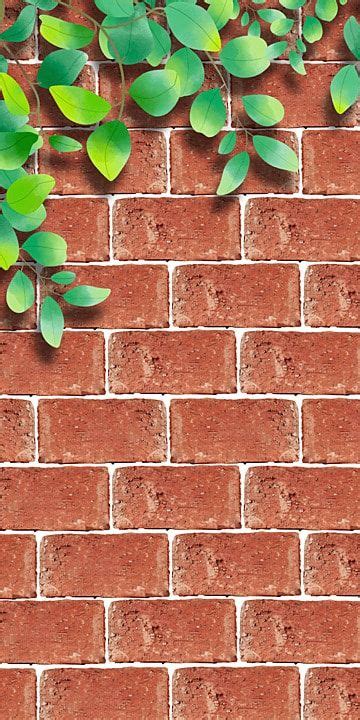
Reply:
x=51, y=322
x=297, y=62
x=9, y=246
x=156, y=92
x=43, y=4
x=61, y=67
x=14, y=149
x=193, y=27
x=109, y=148
x=236, y=10
x=352, y=36
x=24, y=223
x=7, y=177
x=20, y=294
x=3, y=64
x=65, y=34
x=292, y=4
x=86, y=295
x=326, y=9
x=245, y=19
x=28, y=193
x=221, y=12
x=254, y=29
x=14, y=97
x=64, y=144
x=271, y=16
x=208, y=113
x=345, y=88
x=8, y=121
x=132, y=38
x=312, y=30
x=300, y=45
x=63, y=277
x=281, y=27
x=117, y=8
x=276, y=49
x=37, y=139
x=46, y=248
x=276, y=153
x=245, y=56
x=263, y=109
x=227, y=143
x=234, y=173
x=79, y=105
x=162, y=43
x=189, y=68
x=23, y=26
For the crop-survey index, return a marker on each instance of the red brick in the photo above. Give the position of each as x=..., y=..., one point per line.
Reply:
x=332, y=565
x=301, y=497
x=332, y=692
x=62, y=498
x=332, y=45
x=18, y=694
x=71, y=15
x=172, y=362
x=49, y=371
x=24, y=50
x=8, y=319
x=297, y=631
x=298, y=362
x=236, y=564
x=84, y=223
x=229, y=431
x=330, y=161
x=17, y=442
x=17, y=566
x=179, y=497
x=102, y=430
x=68, y=631
x=299, y=229
x=242, y=693
x=332, y=295
x=128, y=565
x=196, y=167
x=172, y=631
x=176, y=228
x=239, y=295
x=331, y=431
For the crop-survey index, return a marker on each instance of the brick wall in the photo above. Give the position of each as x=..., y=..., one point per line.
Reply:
x=179, y=483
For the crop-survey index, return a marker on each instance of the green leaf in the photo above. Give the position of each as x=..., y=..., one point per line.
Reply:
x=65, y=34
x=245, y=19
x=263, y=109
x=14, y=149
x=23, y=26
x=326, y=9
x=28, y=193
x=234, y=173
x=156, y=92
x=292, y=4
x=14, y=97
x=245, y=56
x=9, y=246
x=281, y=27
x=345, y=88
x=208, y=113
x=51, y=322
x=276, y=49
x=46, y=248
x=79, y=105
x=3, y=64
x=64, y=144
x=61, y=67
x=63, y=277
x=8, y=121
x=276, y=153
x=352, y=36
x=221, y=12
x=236, y=10
x=7, y=177
x=189, y=68
x=227, y=143
x=312, y=30
x=300, y=45
x=86, y=295
x=271, y=16
x=162, y=43
x=132, y=38
x=24, y=223
x=297, y=62
x=43, y=4
x=193, y=26
x=117, y=8
x=254, y=29
x=37, y=139
x=109, y=148
x=20, y=294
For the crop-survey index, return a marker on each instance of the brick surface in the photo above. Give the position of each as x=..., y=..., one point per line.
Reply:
x=332, y=45
x=332, y=295
x=332, y=692
x=330, y=162
x=332, y=565
x=17, y=694
x=331, y=431
x=17, y=566
x=17, y=441
x=84, y=223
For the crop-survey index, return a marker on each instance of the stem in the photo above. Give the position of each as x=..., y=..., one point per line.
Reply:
x=215, y=66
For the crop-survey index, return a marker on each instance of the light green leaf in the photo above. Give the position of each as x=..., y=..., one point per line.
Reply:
x=9, y=246
x=312, y=30
x=7, y=177
x=65, y=34
x=276, y=153
x=79, y=105
x=245, y=19
x=24, y=223
x=46, y=248
x=20, y=294
x=221, y=12
x=236, y=10
x=109, y=148
x=292, y=4
x=193, y=26
x=63, y=277
x=132, y=38
x=227, y=143
x=352, y=36
x=162, y=43
x=300, y=45
x=14, y=149
x=86, y=295
x=51, y=322
x=28, y=193
x=156, y=92
x=276, y=49
x=117, y=8
x=14, y=97
x=297, y=62
x=208, y=113
x=61, y=67
x=345, y=88
x=254, y=29
x=63, y=143
x=326, y=9
x=281, y=27
x=234, y=173
x=263, y=109
x=271, y=16
x=245, y=56
x=189, y=68
x=8, y=121
x=23, y=26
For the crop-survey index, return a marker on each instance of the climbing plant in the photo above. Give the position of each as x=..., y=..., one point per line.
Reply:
x=174, y=38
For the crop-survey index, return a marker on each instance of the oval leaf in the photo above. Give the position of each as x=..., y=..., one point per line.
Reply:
x=227, y=143
x=51, y=322
x=297, y=62
x=20, y=294
x=276, y=153
x=245, y=56
x=79, y=105
x=271, y=15
x=28, y=193
x=7, y=177
x=63, y=277
x=281, y=27
x=64, y=143
x=132, y=38
x=193, y=26
x=352, y=36
x=326, y=9
x=189, y=68
x=263, y=109
x=8, y=121
x=23, y=26
x=15, y=149
x=118, y=8
x=312, y=30
x=156, y=92
x=221, y=12
x=109, y=148
x=14, y=97
x=24, y=223
x=208, y=113
x=46, y=248
x=345, y=88
x=65, y=34
x=234, y=173
x=86, y=295
x=276, y=49
x=162, y=43
x=9, y=246
x=61, y=67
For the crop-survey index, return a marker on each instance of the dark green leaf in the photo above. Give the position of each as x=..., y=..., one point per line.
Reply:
x=109, y=148
x=131, y=38
x=63, y=277
x=227, y=143
x=189, y=68
x=65, y=34
x=9, y=246
x=162, y=43
x=245, y=56
x=23, y=26
x=245, y=19
x=20, y=294
x=8, y=121
x=43, y=4
x=345, y=88
x=79, y=105
x=271, y=16
x=3, y=64
x=46, y=248
x=61, y=67
x=276, y=153
x=117, y=8
x=352, y=36
x=24, y=223
x=86, y=295
x=28, y=193
x=208, y=113
x=254, y=29
x=156, y=92
x=300, y=45
x=193, y=26
x=51, y=322
x=14, y=149
x=234, y=173
x=292, y=4
x=63, y=143
x=7, y=177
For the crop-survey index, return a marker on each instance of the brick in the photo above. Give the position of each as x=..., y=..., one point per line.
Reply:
x=236, y=564
x=332, y=45
x=196, y=167
x=331, y=431
x=179, y=497
x=76, y=175
x=8, y=319
x=106, y=694
x=332, y=565
x=238, y=295
x=26, y=49
x=18, y=694
x=102, y=430
x=242, y=693
x=176, y=228
x=332, y=296
x=299, y=229
x=62, y=498
x=172, y=362
x=228, y=431
x=330, y=162
x=297, y=631
x=298, y=362
x=129, y=565
x=68, y=631
x=84, y=223
x=71, y=15
x=17, y=566
x=302, y=497
x=49, y=371
x=172, y=631
x=332, y=692
x=17, y=442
